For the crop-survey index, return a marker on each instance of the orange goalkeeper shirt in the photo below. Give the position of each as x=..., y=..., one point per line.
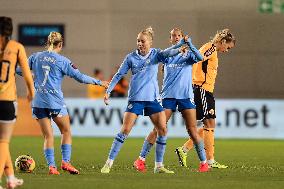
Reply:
x=14, y=52
x=204, y=72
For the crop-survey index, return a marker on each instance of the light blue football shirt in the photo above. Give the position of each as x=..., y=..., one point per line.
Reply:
x=49, y=69
x=177, y=82
x=143, y=84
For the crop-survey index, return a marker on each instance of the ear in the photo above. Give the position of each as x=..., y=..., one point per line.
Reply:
x=223, y=41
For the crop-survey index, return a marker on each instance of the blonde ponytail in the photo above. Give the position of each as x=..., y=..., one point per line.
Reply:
x=149, y=32
x=223, y=35
x=54, y=38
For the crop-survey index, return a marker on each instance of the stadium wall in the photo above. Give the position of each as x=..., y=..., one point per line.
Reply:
x=99, y=33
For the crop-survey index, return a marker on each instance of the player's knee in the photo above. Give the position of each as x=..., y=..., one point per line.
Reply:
x=126, y=130
x=162, y=131
x=65, y=131
x=209, y=126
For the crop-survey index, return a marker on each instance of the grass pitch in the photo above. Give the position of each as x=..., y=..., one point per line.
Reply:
x=253, y=164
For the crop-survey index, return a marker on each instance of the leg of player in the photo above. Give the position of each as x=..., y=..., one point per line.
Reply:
x=6, y=130
x=209, y=127
x=63, y=124
x=48, y=146
x=189, y=116
x=11, y=180
x=188, y=145
x=140, y=163
x=128, y=122
x=159, y=121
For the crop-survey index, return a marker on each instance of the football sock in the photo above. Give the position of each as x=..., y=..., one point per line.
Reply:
x=9, y=170
x=189, y=144
x=66, y=152
x=160, y=148
x=49, y=156
x=116, y=145
x=209, y=142
x=145, y=149
x=10, y=177
x=199, y=147
x=4, y=150
x=109, y=162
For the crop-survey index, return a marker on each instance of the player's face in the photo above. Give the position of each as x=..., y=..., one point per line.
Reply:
x=175, y=37
x=225, y=47
x=143, y=43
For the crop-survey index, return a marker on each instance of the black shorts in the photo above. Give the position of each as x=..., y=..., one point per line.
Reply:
x=205, y=104
x=8, y=111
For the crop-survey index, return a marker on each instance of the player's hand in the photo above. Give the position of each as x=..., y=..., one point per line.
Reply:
x=183, y=49
x=30, y=96
x=105, y=84
x=186, y=37
x=106, y=99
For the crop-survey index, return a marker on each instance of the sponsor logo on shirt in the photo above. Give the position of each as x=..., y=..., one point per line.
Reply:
x=176, y=66
x=41, y=90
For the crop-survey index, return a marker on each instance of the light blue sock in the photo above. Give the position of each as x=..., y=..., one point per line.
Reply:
x=116, y=145
x=145, y=149
x=199, y=147
x=160, y=148
x=66, y=152
x=49, y=156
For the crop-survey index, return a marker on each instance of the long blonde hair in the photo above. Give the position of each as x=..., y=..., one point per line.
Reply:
x=224, y=34
x=54, y=38
x=149, y=32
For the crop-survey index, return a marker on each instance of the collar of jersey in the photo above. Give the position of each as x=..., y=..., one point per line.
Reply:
x=146, y=56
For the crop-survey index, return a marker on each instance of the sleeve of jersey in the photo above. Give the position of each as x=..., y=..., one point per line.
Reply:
x=198, y=56
x=171, y=51
x=71, y=70
x=119, y=74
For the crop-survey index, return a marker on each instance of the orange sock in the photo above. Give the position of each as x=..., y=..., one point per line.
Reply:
x=9, y=170
x=209, y=143
x=201, y=132
x=189, y=144
x=4, y=150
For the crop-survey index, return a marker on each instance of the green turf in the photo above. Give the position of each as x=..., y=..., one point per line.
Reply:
x=254, y=164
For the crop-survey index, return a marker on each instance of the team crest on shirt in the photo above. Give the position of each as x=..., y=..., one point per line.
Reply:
x=148, y=61
x=212, y=111
x=130, y=106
